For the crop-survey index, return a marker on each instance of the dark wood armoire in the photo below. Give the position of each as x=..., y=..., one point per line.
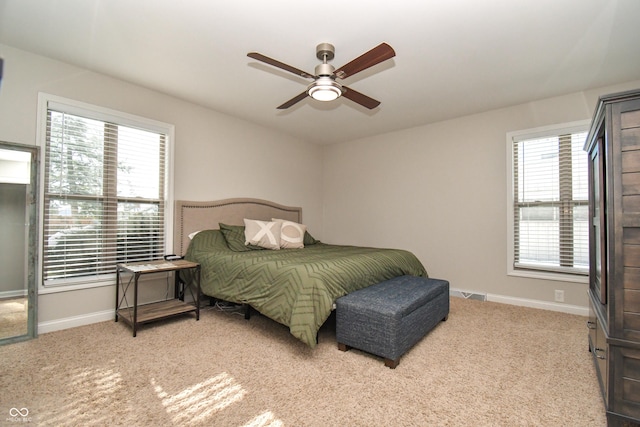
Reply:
x=613, y=145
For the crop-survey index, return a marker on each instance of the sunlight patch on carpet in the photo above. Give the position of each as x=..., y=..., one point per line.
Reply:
x=92, y=387
x=266, y=419
x=195, y=404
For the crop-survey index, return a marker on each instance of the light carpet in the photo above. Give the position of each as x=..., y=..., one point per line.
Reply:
x=490, y=364
x=13, y=317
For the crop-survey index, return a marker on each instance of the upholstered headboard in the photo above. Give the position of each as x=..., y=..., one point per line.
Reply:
x=196, y=216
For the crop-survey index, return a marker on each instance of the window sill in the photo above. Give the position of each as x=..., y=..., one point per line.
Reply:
x=70, y=286
x=543, y=275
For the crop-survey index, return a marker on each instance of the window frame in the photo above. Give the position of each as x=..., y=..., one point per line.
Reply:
x=79, y=108
x=539, y=132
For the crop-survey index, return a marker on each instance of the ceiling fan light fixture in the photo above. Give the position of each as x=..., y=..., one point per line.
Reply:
x=324, y=89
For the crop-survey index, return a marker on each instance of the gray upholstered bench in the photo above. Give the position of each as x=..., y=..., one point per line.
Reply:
x=389, y=318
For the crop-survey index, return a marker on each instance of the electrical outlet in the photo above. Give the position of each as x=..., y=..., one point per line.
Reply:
x=559, y=295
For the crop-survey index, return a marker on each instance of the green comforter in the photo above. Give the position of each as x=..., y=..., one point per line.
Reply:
x=295, y=287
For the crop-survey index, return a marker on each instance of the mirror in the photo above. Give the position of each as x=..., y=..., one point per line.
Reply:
x=18, y=241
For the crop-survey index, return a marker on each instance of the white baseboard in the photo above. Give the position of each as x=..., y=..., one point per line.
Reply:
x=544, y=305
x=13, y=294
x=523, y=302
x=102, y=316
x=74, y=321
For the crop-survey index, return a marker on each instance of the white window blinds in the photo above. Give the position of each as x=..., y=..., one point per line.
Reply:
x=104, y=195
x=550, y=203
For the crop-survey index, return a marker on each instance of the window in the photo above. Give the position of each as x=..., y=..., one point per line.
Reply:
x=548, y=208
x=105, y=191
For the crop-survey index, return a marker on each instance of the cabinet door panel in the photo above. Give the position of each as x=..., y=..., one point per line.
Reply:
x=626, y=381
x=630, y=139
x=631, y=161
x=597, y=212
x=631, y=183
x=631, y=256
x=630, y=118
x=632, y=278
x=631, y=235
x=632, y=300
x=631, y=203
x=632, y=322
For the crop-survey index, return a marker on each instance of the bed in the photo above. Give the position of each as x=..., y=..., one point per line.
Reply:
x=295, y=287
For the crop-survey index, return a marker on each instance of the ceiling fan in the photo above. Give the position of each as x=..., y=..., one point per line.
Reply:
x=324, y=86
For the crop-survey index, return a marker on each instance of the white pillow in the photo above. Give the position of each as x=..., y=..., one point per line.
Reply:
x=291, y=234
x=192, y=235
x=262, y=233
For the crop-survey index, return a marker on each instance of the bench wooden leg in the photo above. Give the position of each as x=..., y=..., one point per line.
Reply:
x=391, y=363
x=343, y=347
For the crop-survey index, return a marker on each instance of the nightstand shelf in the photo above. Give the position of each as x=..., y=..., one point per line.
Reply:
x=135, y=315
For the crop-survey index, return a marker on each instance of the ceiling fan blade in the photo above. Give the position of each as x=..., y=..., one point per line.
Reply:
x=293, y=101
x=359, y=98
x=281, y=65
x=378, y=54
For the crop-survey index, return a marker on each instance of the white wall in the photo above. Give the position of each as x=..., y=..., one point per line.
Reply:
x=441, y=191
x=437, y=190
x=216, y=156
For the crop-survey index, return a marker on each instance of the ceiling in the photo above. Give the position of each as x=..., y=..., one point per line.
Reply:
x=453, y=58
